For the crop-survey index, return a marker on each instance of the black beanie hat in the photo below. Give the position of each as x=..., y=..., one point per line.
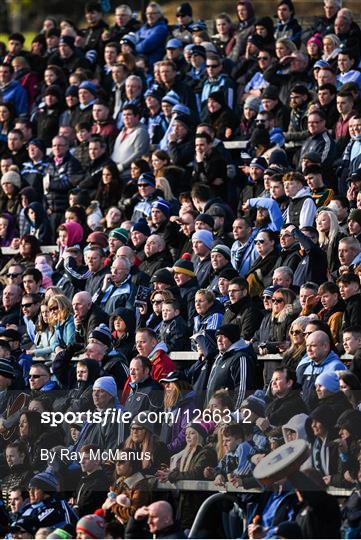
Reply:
x=231, y=331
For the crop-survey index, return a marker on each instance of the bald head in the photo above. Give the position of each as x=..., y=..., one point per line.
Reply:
x=82, y=303
x=160, y=516
x=154, y=244
x=126, y=251
x=318, y=346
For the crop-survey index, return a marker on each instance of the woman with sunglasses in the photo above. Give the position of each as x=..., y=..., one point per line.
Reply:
x=61, y=316
x=281, y=319
x=143, y=440
x=297, y=349
x=260, y=273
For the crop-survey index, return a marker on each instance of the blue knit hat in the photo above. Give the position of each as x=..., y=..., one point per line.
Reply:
x=329, y=380
x=204, y=236
x=88, y=85
x=147, y=178
x=107, y=384
x=163, y=206
x=171, y=97
x=44, y=480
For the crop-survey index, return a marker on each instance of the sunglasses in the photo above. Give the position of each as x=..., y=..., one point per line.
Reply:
x=296, y=332
x=262, y=58
x=259, y=241
x=13, y=276
x=157, y=301
x=29, y=304
x=212, y=66
x=53, y=308
x=277, y=300
x=143, y=185
x=266, y=297
x=35, y=376
x=307, y=333
x=137, y=429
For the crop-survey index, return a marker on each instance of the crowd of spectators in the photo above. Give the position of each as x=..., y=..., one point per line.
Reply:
x=168, y=189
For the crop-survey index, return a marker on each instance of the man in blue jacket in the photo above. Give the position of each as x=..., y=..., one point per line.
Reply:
x=152, y=35
x=12, y=91
x=319, y=359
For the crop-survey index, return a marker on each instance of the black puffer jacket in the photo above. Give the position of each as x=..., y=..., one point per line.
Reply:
x=62, y=178
x=246, y=315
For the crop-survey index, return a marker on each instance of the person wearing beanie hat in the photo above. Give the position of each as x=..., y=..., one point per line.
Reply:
x=204, y=222
x=354, y=223
x=119, y=234
x=147, y=194
x=46, y=508
x=230, y=331
x=253, y=103
x=183, y=266
x=72, y=90
x=39, y=143
x=7, y=371
x=234, y=366
x=92, y=526
x=202, y=242
x=162, y=206
x=108, y=385
x=223, y=250
x=11, y=177
x=98, y=238
x=328, y=391
x=256, y=403
x=46, y=481
x=60, y=534
x=164, y=276
x=187, y=283
x=101, y=334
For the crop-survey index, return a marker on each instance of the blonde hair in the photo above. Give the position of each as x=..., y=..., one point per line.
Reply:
x=163, y=184
x=64, y=305
x=326, y=239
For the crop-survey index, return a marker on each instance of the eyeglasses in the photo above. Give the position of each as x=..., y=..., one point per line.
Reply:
x=29, y=304
x=156, y=301
x=259, y=241
x=53, y=308
x=13, y=276
x=212, y=66
x=296, y=332
x=277, y=300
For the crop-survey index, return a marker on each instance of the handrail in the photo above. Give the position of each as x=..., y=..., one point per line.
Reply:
x=187, y=356
x=206, y=485
x=44, y=249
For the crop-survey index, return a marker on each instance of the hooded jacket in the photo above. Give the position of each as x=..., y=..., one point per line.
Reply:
x=301, y=214
x=234, y=369
x=41, y=227
x=126, y=343
x=308, y=370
